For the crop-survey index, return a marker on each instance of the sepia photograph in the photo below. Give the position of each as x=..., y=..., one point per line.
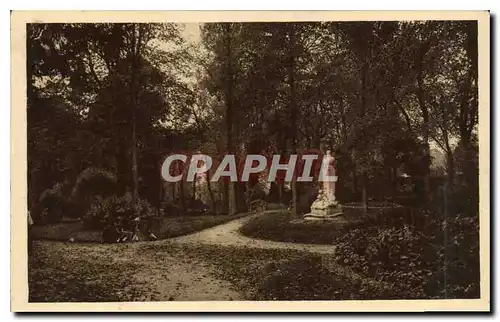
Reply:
x=331, y=159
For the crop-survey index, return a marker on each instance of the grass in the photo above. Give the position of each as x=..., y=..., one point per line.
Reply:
x=277, y=227
x=281, y=274
x=63, y=231
x=167, y=227
x=280, y=226
x=63, y=273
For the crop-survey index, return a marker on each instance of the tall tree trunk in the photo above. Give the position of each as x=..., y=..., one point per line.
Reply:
x=364, y=193
x=194, y=186
x=182, y=196
x=425, y=118
x=161, y=193
x=225, y=196
x=364, y=177
x=232, y=205
x=293, y=112
x=240, y=197
x=468, y=163
x=281, y=191
x=211, y=193
x=280, y=184
x=450, y=168
x=133, y=93
x=394, y=175
x=450, y=162
x=248, y=194
x=135, y=175
x=354, y=181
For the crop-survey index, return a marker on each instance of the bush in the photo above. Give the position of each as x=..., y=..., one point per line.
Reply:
x=394, y=255
x=463, y=199
x=416, y=260
x=110, y=210
x=170, y=208
x=92, y=183
x=307, y=278
x=52, y=204
x=195, y=207
x=291, y=279
x=98, y=211
x=261, y=205
x=458, y=258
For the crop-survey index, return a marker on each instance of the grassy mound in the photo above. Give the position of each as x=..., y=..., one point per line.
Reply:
x=278, y=227
x=166, y=227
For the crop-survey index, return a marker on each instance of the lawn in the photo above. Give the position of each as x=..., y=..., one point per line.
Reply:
x=77, y=273
x=167, y=227
x=91, y=272
x=281, y=226
x=277, y=227
x=282, y=274
x=63, y=272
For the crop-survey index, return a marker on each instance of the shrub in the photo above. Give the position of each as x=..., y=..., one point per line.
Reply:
x=261, y=205
x=395, y=254
x=290, y=279
x=52, y=204
x=463, y=199
x=418, y=260
x=170, y=208
x=195, y=207
x=92, y=183
x=307, y=278
x=458, y=257
x=99, y=210
x=112, y=209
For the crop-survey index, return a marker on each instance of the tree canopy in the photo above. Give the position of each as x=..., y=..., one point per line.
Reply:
x=381, y=95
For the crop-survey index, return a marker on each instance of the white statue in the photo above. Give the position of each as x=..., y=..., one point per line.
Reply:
x=325, y=207
x=329, y=185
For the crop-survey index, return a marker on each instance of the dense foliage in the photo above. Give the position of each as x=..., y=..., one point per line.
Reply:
x=387, y=97
x=94, y=182
x=429, y=255
x=105, y=210
x=54, y=203
x=397, y=103
x=441, y=261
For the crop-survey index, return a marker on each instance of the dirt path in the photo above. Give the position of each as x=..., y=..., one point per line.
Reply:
x=228, y=235
x=128, y=272
x=163, y=274
x=193, y=279
x=179, y=277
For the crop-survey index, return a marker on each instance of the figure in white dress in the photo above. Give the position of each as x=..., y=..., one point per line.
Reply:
x=328, y=189
x=325, y=207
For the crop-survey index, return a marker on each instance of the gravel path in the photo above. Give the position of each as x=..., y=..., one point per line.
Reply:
x=180, y=277
x=164, y=274
x=228, y=235
x=130, y=273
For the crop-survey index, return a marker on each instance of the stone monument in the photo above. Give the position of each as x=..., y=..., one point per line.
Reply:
x=326, y=207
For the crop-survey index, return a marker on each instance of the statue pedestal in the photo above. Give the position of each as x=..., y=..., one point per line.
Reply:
x=322, y=209
x=326, y=207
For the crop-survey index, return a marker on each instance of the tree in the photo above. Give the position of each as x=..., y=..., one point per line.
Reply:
x=88, y=68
